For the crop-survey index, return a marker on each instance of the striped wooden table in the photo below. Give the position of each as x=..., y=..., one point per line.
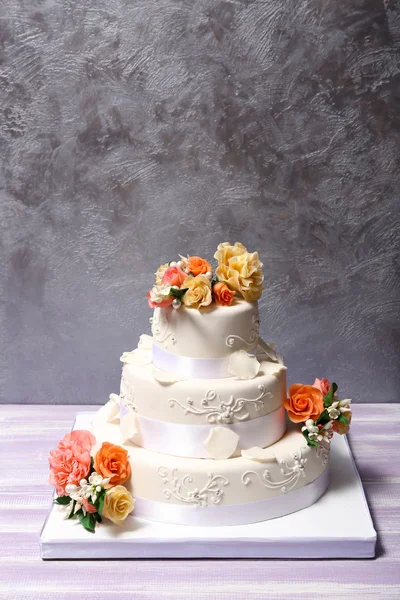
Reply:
x=28, y=432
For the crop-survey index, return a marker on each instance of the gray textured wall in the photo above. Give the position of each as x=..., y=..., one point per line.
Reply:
x=133, y=130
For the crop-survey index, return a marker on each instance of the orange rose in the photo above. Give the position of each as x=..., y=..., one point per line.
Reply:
x=112, y=461
x=198, y=266
x=304, y=402
x=222, y=294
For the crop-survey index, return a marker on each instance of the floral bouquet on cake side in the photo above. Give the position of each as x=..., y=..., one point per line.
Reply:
x=88, y=487
x=319, y=409
x=192, y=283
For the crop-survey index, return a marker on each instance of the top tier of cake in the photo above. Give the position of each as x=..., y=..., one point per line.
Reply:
x=205, y=313
x=212, y=332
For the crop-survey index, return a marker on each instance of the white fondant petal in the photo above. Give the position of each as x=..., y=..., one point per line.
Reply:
x=129, y=427
x=262, y=455
x=221, y=442
x=165, y=376
x=106, y=413
x=269, y=350
x=243, y=365
x=145, y=342
x=139, y=357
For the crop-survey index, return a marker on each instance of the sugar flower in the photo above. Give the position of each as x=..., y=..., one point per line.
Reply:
x=198, y=291
x=240, y=270
x=160, y=296
x=339, y=407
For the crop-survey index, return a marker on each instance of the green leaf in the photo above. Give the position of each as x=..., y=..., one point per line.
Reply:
x=100, y=502
x=88, y=520
x=342, y=419
x=323, y=418
x=64, y=500
x=178, y=293
x=98, y=517
x=328, y=399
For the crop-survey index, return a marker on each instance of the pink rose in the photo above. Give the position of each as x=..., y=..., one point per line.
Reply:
x=166, y=302
x=70, y=461
x=174, y=276
x=322, y=385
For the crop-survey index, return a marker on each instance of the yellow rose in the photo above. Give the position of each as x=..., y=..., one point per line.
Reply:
x=118, y=503
x=160, y=272
x=225, y=252
x=198, y=293
x=242, y=272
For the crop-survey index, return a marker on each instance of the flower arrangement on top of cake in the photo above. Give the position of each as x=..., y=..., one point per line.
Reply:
x=191, y=281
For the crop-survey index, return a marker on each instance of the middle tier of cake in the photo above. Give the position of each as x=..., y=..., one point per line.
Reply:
x=177, y=418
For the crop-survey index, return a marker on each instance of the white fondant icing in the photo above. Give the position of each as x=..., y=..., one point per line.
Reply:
x=145, y=342
x=211, y=332
x=221, y=443
x=200, y=401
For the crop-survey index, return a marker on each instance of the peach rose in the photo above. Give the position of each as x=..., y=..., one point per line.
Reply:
x=112, y=461
x=70, y=461
x=322, y=385
x=304, y=402
x=222, y=294
x=118, y=503
x=174, y=276
x=198, y=266
x=198, y=291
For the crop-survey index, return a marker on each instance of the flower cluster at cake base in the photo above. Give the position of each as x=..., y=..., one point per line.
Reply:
x=191, y=282
x=319, y=410
x=88, y=487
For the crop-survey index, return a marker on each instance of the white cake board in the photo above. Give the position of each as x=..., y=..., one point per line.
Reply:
x=339, y=525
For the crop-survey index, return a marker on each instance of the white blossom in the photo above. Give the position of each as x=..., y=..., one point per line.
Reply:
x=318, y=433
x=339, y=407
x=158, y=293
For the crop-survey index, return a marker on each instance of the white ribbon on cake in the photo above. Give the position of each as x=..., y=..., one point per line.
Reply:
x=233, y=514
x=180, y=439
x=191, y=367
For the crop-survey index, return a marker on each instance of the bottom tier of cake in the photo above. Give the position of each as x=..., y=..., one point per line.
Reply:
x=170, y=489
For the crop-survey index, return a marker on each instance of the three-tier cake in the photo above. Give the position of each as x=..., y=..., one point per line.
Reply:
x=203, y=407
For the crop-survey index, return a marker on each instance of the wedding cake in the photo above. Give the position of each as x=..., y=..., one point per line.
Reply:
x=203, y=426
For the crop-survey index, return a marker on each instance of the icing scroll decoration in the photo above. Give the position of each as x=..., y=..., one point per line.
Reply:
x=291, y=475
x=212, y=491
x=322, y=453
x=127, y=395
x=236, y=341
x=223, y=411
x=159, y=328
